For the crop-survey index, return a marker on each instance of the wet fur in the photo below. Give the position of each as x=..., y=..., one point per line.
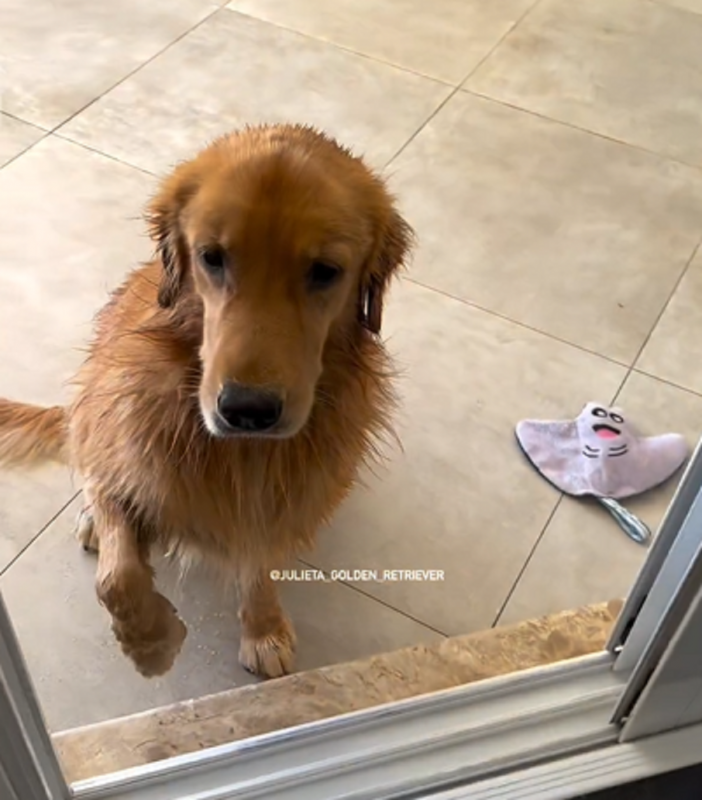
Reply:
x=155, y=476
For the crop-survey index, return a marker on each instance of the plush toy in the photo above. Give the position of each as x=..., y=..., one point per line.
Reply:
x=600, y=454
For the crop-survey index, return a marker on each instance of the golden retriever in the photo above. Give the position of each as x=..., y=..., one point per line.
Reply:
x=235, y=384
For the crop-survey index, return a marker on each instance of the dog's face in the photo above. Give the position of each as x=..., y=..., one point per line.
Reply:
x=288, y=241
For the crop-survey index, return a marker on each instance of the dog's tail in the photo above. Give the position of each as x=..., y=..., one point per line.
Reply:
x=31, y=435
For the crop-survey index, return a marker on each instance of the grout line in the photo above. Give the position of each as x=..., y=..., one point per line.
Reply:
x=111, y=157
x=566, y=342
x=571, y=126
x=527, y=561
x=378, y=600
x=14, y=117
x=342, y=47
x=48, y=132
x=516, y=322
x=42, y=138
x=457, y=88
x=657, y=321
x=423, y=125
x=514, y=26
x=39, y=533
x=207, y=18
x=670, y=383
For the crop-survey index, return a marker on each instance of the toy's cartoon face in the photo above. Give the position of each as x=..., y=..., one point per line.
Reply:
x=605, y=423
x=603, y=432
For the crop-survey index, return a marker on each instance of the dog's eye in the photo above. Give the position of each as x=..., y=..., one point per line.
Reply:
x=599, y=412
x=212, y=259
x=322, y=275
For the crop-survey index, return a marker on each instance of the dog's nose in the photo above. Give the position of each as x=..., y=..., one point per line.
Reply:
x=249, y=409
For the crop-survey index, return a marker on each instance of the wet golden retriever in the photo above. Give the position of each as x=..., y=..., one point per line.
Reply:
x=235, y=384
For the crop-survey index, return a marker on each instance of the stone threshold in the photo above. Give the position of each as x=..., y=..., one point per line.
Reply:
x=247, y=711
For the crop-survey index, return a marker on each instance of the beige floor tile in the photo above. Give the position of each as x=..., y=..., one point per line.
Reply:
x=234, y=70
x=15, y=136
x=461, y=498
x=577, y=236
x=56, y=57
x=674, y=351
x=584, y=557
x=444, y=42
x=81, y=676
x=694, y=6
x=626, y=69
x=67, y=233
x=28, y=501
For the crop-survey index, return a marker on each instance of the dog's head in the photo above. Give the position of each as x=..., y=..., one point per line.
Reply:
x=289, y=241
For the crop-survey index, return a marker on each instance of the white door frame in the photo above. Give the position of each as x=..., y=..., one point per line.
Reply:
x=29, y=768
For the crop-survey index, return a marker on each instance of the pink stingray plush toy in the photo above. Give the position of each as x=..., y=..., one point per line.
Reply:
x=600, y=454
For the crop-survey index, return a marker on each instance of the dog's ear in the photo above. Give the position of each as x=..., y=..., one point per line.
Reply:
x=163, y=218
x=394, y=240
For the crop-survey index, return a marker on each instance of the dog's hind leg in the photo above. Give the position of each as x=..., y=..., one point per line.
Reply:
x=268, y=643
x=144, y=622
x=85, y=529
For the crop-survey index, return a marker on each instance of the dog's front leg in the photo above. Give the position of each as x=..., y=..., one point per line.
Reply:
x=267, y=636
x=145, y=622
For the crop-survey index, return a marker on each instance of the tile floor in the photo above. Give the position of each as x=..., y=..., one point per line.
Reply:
x=548, y=153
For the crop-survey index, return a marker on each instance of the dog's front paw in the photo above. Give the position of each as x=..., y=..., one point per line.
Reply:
x=271, y=655
x=154, y=645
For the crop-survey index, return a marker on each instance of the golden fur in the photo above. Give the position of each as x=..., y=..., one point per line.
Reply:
x=268, y=205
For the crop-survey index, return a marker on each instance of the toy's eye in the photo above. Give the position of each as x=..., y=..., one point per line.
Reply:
x=616, y=418
x=599, y=412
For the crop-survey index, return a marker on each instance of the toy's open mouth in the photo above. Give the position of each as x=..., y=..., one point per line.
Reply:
x=606, y=431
